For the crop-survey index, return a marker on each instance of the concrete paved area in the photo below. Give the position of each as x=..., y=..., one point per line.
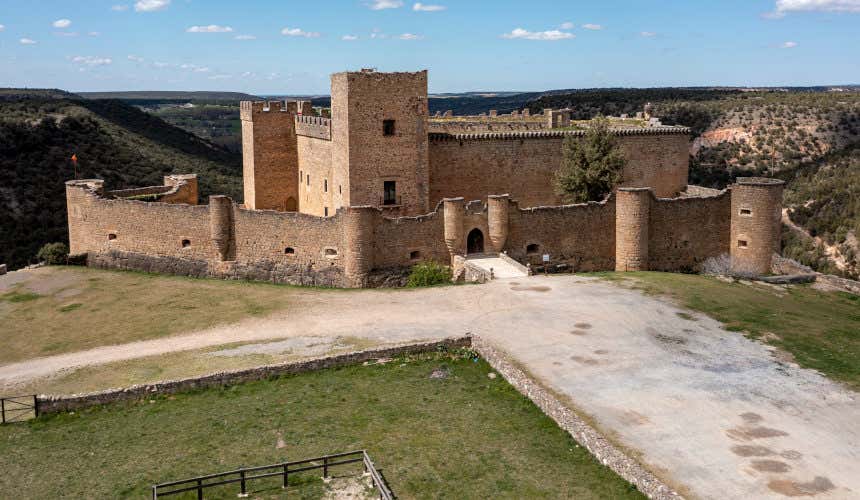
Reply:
x=710, y=412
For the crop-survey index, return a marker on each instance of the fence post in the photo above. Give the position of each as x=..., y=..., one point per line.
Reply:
x=325, y=467
x=242, y=483
x=3, y=410
x=199, y=489
x=155, y=493
x=286, y=475
x=35, y=406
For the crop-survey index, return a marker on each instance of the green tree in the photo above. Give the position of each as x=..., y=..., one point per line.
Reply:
x=590, y=166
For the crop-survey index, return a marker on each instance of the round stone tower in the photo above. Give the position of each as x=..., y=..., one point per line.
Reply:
x=221, y=227
x=358, y=245
x=455, y=209
x=756, y=224
x=632, y=214
x=497, y=219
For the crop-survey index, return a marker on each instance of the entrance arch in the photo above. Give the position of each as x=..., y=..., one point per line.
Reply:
x=475, y=241
x=291, y=205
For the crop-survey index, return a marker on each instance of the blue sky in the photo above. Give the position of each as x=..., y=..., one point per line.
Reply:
x=291, y=46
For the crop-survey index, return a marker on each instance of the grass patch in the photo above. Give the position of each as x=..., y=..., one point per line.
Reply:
x=820, y=329
x=16, y=296
x=122, y=307
x=466, y=436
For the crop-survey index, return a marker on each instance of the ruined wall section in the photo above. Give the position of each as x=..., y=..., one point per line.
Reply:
x=524, y=163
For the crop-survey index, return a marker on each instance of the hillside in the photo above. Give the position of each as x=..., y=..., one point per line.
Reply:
x=155, y=95
x=39, y=132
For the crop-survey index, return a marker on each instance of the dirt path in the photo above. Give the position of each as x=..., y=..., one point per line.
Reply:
x=710, y=411
x=832, y=251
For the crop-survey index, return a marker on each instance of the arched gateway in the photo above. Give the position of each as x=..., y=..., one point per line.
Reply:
x=475, y=241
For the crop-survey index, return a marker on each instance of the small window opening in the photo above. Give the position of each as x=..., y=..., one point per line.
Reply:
x=742, y=243
x=339, y=189
x=111, y=237
x=289, y=251
x=414, y=255
x=746, y=211
x=330, y=252
x=309, y=179
x=387, y=127
x=389, y=193
x=325, y=185
x=325, y=210
x=532, y=248
x=186, y=243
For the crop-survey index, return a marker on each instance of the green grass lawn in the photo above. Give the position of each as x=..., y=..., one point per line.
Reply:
x=464, y=436
x=820, y=329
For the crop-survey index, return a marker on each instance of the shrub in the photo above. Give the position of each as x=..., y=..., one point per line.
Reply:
x=53, y=254
x=428, y=273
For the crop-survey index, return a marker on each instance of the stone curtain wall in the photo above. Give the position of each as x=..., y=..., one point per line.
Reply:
x=396, y=240
x=523, y=164
x=684, y=232
x=581, y=236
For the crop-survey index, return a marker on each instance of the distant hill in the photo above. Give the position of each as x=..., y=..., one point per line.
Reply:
x=167, y=96
x=40, y=130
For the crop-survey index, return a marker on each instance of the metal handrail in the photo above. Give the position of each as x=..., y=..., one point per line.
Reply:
x=198, y=483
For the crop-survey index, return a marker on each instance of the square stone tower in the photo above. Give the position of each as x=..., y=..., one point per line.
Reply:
x=269, y=155
x=379, y=140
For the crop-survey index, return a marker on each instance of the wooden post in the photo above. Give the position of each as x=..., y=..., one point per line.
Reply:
x=325, y=467
x=3, y=411
x=35, y=406
x=199, y=489
x=243, y=493
x=286, y=475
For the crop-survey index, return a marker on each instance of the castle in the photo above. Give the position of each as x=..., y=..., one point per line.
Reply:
x=356, y=198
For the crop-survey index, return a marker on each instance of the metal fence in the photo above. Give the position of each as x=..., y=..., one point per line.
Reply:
x=244, y=476
x=18, y=408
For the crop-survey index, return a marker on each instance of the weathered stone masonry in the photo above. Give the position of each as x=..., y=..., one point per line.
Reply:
x=318, y=211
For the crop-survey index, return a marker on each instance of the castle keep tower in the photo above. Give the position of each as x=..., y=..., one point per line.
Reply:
x=380, y=141
x=270, y=164
x=756, y=224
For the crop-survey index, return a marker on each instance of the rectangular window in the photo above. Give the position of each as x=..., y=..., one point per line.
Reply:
x=389, y=196
x=326, y=211
x=742, y=243
x=387, y=127
x=309, y=179
x=325, y=185
x=746, y=211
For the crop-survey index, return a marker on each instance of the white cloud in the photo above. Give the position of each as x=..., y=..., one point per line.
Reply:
x=299, y=32
x=195, y=68
x=420, y=7
x=349, y=38
x=151, y=5
x=550, y=35
x=66, y=33
x=386, y=4
x=119, y=8
x=220, y=77
x=783, y=6
x=27, y=41
x=93, y=33
x=788, y=45
x=92, y=61
x=648, y=34
x=2, y=27
x=135, y=58
x=593, y=27
x=245, y=37
x=212, y=28
x=377, y=33
x=410, y=36
x=566, y=26
x=61, y=23
x=249, y=74
x=159, y=64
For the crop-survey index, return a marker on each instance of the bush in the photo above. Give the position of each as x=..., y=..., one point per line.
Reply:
x=428, y=274
x=53, y=254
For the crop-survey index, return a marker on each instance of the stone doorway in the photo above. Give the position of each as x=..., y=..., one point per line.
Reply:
x=291, y=205
x=475, y=241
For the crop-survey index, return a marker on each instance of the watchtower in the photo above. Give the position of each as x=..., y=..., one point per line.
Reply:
x=270, y=163
x=756, y=223
x=380, y=141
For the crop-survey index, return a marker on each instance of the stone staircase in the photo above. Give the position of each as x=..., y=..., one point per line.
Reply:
x=499, y=265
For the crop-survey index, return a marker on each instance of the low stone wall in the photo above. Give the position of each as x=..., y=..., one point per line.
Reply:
x=57, y=404
x=584, y=434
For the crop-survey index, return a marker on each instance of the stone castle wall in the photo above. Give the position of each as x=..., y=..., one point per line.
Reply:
x=523, y=164
x=362, y=246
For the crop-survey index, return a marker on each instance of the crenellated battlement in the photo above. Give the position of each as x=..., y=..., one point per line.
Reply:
x=313, y=126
